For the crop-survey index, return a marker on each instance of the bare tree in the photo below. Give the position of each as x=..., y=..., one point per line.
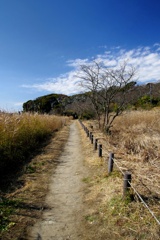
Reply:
x=108, y=89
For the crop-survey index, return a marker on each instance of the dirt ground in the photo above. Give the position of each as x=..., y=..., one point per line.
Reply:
x=63, y=217
x=51, y=191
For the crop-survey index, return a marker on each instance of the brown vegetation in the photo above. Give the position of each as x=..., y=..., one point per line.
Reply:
x=24, y=186
x=21, y=134
x=135, y=142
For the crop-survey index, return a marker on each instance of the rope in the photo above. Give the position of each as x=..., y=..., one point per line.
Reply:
x=118, y=167
x=141, y=199
x=144, y=203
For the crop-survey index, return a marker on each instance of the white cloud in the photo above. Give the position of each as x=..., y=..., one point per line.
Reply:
x=77, y=62
x=156, y=44
x=64, y=84
x=145, y=59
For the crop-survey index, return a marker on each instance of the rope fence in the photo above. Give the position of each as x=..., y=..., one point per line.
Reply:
x=127, y=175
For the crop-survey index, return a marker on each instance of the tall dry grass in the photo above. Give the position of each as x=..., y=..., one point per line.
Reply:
x=136, y=139
x=135, y=142
x=138, y=133
x=21, y=134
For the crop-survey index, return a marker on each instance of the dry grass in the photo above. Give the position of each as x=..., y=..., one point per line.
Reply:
x=23, y=203
x=138, y=144
x=135, y=142
x=21, y=134
x=106, y=214
x=20, y=137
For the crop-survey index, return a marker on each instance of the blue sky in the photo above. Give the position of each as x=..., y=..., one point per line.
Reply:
x=42, y=43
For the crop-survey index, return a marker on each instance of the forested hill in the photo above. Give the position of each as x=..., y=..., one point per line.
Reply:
x=142, y=96
x=57, y=104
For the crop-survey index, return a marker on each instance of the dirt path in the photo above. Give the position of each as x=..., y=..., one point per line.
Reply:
x=65, y=196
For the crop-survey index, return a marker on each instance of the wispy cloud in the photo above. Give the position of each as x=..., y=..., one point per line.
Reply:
x=77, y=62
x=64, y=84
x=145, y=59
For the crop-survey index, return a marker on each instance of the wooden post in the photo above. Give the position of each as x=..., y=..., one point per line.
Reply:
x=92, y=139
x=95, y=144
x=87, y=133
x=110, y=162
x=126, y=183
x=100, y=150
x=90, y=135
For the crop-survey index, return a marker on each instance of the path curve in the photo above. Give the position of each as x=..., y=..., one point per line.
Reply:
x=65, y=196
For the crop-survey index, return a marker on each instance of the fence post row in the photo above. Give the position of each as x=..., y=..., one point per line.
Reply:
x=127, y=176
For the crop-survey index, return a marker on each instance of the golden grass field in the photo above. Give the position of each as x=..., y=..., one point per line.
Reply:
x=21, y=134
x=135, y=141
x=136, y=136
x=22, y=138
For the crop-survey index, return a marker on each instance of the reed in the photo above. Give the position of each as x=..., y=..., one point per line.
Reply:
x=21, y=134
x=138, y=133
x=135, y=141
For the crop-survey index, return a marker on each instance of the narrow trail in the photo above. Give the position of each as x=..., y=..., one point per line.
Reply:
x=65, y=197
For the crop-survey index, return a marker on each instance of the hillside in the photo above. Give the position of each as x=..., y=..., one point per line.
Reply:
x=141, y=96
x=78, y=104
